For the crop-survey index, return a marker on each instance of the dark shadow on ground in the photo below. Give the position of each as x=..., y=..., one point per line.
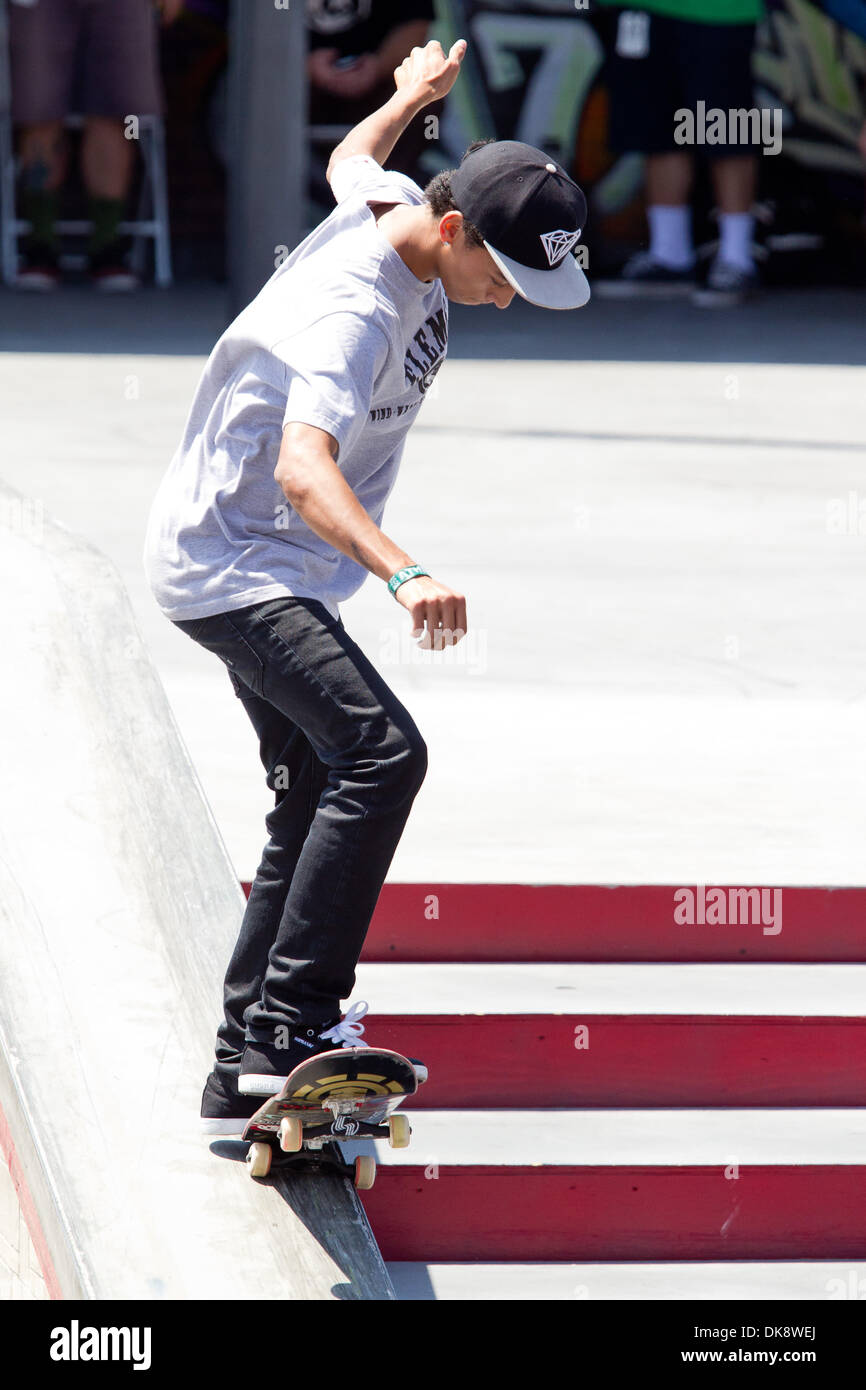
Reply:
x=782, y=326
x=327, y=1205
x=820, y=326
x=185, y=321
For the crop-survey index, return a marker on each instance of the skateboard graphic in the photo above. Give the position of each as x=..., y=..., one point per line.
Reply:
x=349, y=1093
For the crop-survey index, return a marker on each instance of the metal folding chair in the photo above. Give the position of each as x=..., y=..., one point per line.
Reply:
x=151, y=223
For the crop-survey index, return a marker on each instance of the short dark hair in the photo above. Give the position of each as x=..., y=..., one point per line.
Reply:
x=440, y=198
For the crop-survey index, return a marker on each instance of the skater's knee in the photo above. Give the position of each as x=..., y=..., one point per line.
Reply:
x=390, y=752
x=406, y=764
x=418, y=759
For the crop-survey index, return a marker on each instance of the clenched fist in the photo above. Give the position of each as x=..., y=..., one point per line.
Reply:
x=438, y=613
x=427, y=74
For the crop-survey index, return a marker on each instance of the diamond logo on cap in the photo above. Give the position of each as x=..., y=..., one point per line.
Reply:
x=558, y=244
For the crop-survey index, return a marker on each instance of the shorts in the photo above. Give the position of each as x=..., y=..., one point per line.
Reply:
x=83, y=58
x=661, y=65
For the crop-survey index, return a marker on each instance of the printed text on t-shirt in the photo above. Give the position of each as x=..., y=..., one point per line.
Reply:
x=424, y=358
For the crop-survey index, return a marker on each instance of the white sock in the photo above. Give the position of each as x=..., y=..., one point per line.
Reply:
x=671, y=236
x=736, y=231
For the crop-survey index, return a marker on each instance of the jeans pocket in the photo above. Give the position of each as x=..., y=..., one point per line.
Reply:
x=237, y=684
x=244, y=665
x=221, y=636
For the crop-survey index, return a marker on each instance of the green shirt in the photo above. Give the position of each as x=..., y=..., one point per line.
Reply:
x=702, y=11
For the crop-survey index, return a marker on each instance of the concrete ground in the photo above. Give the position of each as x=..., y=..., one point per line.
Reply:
x=658, y=515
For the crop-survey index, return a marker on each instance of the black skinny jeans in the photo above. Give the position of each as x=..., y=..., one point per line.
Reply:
x=345, y=761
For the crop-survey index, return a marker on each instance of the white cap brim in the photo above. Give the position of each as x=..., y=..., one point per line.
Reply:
x=565, y=287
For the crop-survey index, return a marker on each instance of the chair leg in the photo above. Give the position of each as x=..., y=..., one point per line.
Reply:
x=8, y=213
x=138, y=256
x=159, y=186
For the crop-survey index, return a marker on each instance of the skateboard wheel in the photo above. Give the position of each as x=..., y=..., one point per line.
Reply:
x=259, y=1160
x=399, y=1131
x=365, y=1172
x=291, y=1134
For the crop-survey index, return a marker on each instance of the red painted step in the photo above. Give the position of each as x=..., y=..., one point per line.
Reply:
x=525, y=922
x=529, y=1061
x=585, y=922
x=770, y=1212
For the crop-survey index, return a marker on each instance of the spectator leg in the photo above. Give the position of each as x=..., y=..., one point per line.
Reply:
x=107, y=160
x=735, y=184
x=42, y=158
x=107, y=157
x=669, y=179
x=669, y=188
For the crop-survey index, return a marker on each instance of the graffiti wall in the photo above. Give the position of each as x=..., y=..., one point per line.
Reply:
x=810, y=60
x=536, y=72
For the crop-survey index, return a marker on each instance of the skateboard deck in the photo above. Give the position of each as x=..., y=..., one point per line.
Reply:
x=349, y=1093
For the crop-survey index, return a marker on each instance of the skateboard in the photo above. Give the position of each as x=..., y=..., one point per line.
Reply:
x=349, y=1093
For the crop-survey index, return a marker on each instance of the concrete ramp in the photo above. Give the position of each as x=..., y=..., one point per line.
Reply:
x=118, y=910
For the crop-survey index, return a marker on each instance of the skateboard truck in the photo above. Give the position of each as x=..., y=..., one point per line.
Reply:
x=340, y=1106
x=304, y=1117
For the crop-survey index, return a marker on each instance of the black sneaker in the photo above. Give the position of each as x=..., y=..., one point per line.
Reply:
x=109, y=271
x=265, y=1066
x=727, y=286
x=643, y=275
x=38, y=267
x=223, y=1110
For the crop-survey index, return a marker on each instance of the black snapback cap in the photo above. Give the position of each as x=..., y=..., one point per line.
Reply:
x=531, y=215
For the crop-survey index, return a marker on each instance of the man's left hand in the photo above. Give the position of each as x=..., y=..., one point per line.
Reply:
x=428, y=74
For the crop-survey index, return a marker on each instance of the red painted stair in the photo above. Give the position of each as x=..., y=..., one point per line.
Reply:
x=505, y=1163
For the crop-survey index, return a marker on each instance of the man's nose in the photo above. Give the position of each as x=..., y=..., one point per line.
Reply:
x=502, y=298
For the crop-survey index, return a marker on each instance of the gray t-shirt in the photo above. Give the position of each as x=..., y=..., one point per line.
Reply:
x=343, y=336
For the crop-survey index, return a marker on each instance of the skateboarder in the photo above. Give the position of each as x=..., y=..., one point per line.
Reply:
x=269, y=517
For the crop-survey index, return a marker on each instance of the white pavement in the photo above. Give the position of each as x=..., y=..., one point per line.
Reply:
x=663, y=557
x=824, y=1280
x=607, y=1138
x=812, y=991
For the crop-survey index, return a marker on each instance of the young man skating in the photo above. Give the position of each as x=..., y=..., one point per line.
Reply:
x=269, y=517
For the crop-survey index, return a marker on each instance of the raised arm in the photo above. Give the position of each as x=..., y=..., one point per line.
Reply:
x=427, y=75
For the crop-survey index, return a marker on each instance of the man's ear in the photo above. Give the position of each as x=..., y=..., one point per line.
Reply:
x=450, y=227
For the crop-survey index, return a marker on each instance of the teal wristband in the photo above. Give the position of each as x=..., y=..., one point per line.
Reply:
x=410, y=572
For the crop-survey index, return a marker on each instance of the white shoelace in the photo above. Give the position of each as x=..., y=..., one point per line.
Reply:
x=347, y=1032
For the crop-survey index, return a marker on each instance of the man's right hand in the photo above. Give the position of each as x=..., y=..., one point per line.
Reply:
x=427, y=74
x=438, y=613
